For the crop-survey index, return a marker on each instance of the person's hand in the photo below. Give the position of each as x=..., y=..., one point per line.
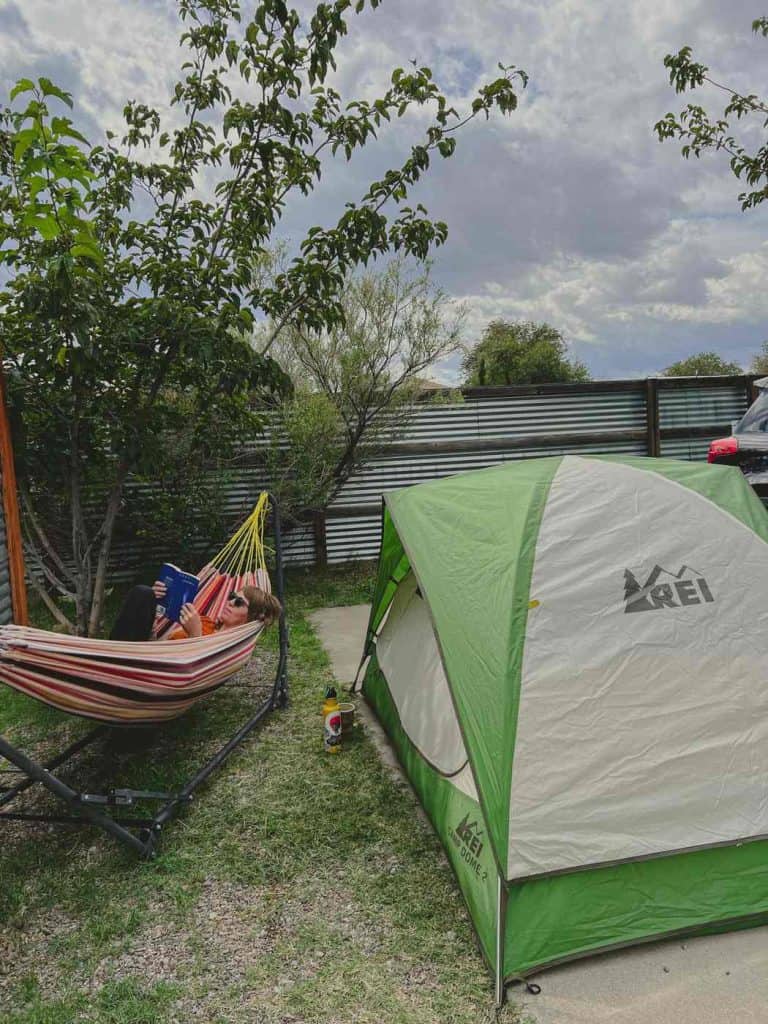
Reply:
x=190, y=620
x=159, y=589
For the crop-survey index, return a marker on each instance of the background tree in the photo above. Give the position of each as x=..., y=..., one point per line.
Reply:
x=131, y=295
x=521, y=352
x=703, y=364
x=759, y=362
x=700, y=132
x=355, y=384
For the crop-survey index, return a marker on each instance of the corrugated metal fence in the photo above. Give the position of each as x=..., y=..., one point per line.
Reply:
x=673, y=417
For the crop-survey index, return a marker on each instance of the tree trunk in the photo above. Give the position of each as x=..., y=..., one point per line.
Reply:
x=81, y=552
x=105, y=547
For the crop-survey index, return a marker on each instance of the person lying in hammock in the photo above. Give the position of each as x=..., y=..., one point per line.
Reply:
x=136, y=618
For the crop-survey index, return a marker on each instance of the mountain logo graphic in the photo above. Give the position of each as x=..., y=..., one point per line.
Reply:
x=666, y=589
x=467, y=837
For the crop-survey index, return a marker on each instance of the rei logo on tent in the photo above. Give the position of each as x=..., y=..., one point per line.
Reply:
x=685, y=587
x=467, y=837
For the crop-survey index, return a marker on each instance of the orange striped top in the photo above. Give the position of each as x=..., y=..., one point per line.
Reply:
x=209, y=626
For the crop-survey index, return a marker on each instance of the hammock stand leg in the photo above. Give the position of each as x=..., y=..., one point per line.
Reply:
x=37, y=773
x=10, y=794
x=149, y=829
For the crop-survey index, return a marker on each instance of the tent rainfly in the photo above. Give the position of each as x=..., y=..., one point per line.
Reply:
x=567, y=654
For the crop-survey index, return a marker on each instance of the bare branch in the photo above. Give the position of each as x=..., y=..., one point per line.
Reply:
x=51, y=605
x=37, y=558
x=753, y=104
x=50, y=551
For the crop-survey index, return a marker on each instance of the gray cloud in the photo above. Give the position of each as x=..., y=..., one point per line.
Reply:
x=12, y=22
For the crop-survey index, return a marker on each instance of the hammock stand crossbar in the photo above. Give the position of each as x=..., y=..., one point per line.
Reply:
x=95, y=809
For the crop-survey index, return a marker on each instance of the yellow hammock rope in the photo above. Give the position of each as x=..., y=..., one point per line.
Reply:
x=244, y=551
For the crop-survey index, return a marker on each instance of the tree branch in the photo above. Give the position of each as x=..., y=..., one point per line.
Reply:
x=51, y=605
x=55, y=582
x=26, y=501
x=755, y=106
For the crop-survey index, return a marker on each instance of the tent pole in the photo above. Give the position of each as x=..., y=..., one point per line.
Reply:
x=501, y=920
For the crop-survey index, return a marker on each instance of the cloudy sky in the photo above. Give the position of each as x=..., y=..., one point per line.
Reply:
x=568, y=211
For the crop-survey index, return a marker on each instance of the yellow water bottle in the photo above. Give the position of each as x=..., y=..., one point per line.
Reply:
x=331, y=722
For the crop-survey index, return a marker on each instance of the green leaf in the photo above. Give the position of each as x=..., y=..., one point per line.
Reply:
x=23, y=85
x=62, y=127
x=49, y=89
x=45, y=224
x=87, y=250
x=24, y=140
x=36, y=184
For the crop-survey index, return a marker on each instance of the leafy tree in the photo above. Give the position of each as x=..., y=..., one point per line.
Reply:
x=759, y=362
x=356, y=384
x=703, y=364
x=700, y=132
x=521, y=352
x=132, y=290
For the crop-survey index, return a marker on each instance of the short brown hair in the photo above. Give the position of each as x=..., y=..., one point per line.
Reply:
x=262, y=605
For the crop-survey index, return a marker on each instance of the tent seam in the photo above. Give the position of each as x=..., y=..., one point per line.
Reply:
x=540, y=508
x=480, y=797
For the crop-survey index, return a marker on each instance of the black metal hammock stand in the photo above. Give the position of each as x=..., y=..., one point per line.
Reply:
x=123, y=684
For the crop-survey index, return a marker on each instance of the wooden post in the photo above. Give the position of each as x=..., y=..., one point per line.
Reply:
x=652, y=416
x=321, y=544
x=11, y=511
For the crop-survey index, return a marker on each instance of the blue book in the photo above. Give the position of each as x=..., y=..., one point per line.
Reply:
x=181, y=589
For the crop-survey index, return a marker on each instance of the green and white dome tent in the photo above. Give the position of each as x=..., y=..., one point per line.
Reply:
x=569, y=657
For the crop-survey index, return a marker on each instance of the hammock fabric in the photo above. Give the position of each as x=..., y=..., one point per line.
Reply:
x=122, y=682
x=147, y=682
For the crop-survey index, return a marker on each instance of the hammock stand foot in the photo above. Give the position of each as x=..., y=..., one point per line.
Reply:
x=84, y=815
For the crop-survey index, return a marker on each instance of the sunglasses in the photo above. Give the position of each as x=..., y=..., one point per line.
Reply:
x=236, y=600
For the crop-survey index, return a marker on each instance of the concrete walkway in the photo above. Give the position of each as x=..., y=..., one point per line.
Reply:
x=342, y=634
x=718, y=979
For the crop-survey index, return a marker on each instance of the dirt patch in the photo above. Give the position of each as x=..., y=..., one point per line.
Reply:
x=25, y=952
x=218, y=945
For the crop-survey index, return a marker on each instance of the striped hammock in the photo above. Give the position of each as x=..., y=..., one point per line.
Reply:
x=123, y=682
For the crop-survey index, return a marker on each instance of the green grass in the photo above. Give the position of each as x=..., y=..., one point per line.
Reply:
x=121, y=1002
x=298, y=887
x=313, y=588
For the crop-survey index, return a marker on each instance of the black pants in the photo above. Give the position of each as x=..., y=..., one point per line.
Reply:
x=137, y=616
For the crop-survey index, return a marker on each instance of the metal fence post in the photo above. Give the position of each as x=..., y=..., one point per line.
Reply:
x=652, y=416
x=319, y=533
